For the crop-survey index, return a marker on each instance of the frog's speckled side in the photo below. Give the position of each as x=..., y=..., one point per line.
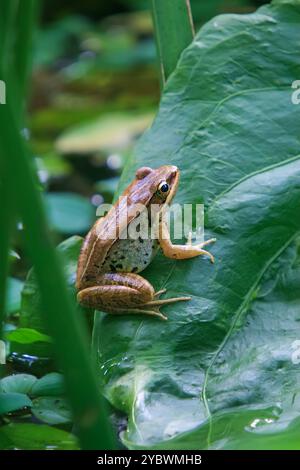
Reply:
x=130, y=256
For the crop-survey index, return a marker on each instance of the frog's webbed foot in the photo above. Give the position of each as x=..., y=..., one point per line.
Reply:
x=199, y=246
x=181, y=251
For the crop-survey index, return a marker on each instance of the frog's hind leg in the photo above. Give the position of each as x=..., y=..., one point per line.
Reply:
x=121, y=293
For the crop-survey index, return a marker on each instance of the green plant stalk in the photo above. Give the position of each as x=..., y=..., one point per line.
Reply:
x=174, y=31
x=6, y=225
x=67, y=330
x=25, y=21
x=6, y=212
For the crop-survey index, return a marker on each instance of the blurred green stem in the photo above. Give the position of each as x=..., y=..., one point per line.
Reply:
x=25, y=27
x=19, y=189
x=68, y=330
x=26, y=17
x=174, y=31
x=6, y=225
x=8, y=9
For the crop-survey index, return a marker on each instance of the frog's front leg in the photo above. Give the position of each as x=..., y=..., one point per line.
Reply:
x=123, y=293
x=181, y=251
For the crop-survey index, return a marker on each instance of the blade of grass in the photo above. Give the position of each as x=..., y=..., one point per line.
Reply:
x=174, y=31
x=68, y=331
x=8, y=10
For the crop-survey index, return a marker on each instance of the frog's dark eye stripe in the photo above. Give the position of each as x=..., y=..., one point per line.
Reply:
x=163, y=187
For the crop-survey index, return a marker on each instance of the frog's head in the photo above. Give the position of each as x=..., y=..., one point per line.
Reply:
x=162, y=182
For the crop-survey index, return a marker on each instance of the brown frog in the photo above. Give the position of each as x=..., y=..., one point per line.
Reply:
x=107, y=270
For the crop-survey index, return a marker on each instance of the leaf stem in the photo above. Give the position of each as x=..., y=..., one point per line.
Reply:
x=174, y=31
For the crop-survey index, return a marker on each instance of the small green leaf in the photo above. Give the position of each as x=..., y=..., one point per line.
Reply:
x=21, y=383
x=69, y=213
x=27, y=336
x=35, y=437
x=50, y=385
x=13, y=401
x=51, y=410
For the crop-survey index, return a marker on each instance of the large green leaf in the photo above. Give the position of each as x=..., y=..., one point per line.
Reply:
x=220, y=373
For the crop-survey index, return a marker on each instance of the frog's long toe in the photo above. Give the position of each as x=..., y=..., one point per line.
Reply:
x=153, y=306
x=159, y=292
x=144, y=310
x=167, y=301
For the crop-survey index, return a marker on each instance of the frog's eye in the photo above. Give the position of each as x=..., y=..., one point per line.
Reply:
x=163, y=187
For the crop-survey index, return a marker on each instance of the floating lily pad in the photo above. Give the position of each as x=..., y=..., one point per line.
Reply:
x=10, y=402
x=51, y=410
x=20, y=383
x=50, y=385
